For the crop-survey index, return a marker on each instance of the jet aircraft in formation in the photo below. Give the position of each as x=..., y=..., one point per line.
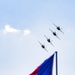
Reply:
x=49, y=40
x=43, y=46
x=58, y=28
x=54, y=33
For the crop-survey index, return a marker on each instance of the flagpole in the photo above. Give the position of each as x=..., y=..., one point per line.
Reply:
x=56, y=63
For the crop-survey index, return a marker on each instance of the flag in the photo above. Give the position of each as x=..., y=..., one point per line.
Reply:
x=45, y=68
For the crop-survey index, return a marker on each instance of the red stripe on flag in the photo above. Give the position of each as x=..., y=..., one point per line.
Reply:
x=35, y=71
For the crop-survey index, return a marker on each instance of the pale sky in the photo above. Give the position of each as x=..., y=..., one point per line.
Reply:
x=23, y=23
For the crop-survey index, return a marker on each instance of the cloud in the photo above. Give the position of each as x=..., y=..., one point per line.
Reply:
x=26, y=32
x=8, y=28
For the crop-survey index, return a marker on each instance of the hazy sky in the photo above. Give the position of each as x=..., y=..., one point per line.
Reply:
x=23, y=23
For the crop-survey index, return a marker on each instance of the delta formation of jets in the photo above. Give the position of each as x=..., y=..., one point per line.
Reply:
x=54, y=34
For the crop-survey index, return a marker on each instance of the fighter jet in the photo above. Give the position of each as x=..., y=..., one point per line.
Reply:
x=43, y=46
x=49, y=40
x=58, y=28
x=54, y=33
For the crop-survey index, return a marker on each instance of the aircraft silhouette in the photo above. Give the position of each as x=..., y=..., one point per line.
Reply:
x=43, y=46
x=54, y=33
x=58, y=28
x=49, y=40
